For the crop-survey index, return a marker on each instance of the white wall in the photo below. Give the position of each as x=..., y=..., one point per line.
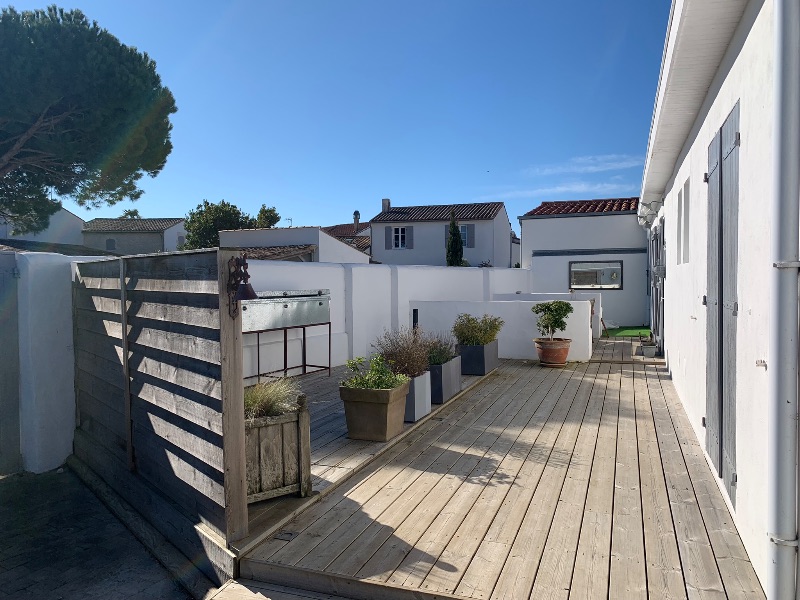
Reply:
x=516, y=337
x=329, y=249
x=591, y=230
x=597, y=326
x=64, y=228
x=501, y=257
x=745, y=76
x=171, y=235
x=515, y=254
x=628, y=306
x=47, y=364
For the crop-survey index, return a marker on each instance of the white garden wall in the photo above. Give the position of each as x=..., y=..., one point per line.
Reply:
x=597, y=326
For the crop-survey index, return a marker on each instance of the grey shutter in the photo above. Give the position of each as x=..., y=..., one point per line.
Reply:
x=388, y=231
x=409, y=238
x=713, y=315
x=730, y=252
x=470, y=236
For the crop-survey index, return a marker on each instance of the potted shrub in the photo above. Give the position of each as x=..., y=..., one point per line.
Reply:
x=406, y=352
x=552, y=351
x=445, y=368
x=374, y=400
x=649, y=346
x=277, y=440
x=477, y=343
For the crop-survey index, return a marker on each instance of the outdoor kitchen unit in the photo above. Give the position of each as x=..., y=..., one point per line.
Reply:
x=281, y=312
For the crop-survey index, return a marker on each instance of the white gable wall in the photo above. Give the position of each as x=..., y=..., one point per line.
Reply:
x=329, y=249
x=64, y=228
x=174, y=236
x=745, y=76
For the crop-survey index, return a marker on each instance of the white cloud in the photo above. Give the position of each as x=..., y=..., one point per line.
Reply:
x=588, y=164
x=585, y=189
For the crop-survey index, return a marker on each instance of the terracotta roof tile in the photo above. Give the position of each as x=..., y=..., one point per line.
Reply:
x=585, y=206
x=346, y=229
x=130, y=225
x=278, y=252
x=479, y=211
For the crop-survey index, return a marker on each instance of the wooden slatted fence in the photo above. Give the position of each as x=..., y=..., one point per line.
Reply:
x=159, y=395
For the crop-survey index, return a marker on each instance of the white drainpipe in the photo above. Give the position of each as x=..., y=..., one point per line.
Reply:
x=783, y=334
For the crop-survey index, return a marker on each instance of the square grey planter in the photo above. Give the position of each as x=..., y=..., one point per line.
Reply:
x=445, y=380
x=479, y=360
x=418, y=400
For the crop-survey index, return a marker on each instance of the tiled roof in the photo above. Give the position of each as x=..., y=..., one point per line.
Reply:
x=346, y=229
x=278, y=252
x=361, y=242
x=569, y=207
x=479, y=211
x=130, y=225
x=15, y=245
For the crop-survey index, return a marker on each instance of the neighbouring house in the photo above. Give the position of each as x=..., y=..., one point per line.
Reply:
x=300, y=244
x=515, y=249
x=719, y=200
x=355, y=234
x=417, y=235
x=590, y=245
x=64, y=228
x=134, y=236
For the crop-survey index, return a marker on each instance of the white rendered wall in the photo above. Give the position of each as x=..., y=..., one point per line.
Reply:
x=745, y=76
x=46, y=359
x=171, y=235
x=64, y=228
x=501, y=257
x=516, y=337
x=336, y=251
x=628, y=306
x=329, y=249
x=515, y=254
x=597, y=326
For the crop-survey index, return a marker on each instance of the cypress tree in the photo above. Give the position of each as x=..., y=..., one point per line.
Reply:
x=455, y=246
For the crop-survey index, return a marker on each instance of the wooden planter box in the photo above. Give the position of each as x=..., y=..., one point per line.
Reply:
x=418, y=399
x=374, y=415
x=479, y=360
x=445, y=380
x=278, y=455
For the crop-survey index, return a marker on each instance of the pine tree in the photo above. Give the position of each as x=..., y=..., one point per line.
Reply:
x=455, y=246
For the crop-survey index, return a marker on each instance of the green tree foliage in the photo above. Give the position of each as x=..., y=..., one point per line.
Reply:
x=204, y=223
x=552, y=316
x=130, y=213
x=267, y=217
x=455, y=246
x=81, y=115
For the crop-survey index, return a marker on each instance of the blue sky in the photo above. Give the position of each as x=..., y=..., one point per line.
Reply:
x=322, y=108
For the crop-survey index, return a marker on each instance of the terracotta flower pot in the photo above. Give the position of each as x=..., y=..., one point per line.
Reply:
x=552, y=353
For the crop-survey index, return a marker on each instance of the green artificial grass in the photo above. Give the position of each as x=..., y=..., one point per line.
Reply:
x=629, y=332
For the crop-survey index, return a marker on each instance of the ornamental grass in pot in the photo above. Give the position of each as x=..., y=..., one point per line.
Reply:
x=445, y=367
x=405, y=350
x=553, y=315
x=277, y=440
x=477, y=343
x=374, y=400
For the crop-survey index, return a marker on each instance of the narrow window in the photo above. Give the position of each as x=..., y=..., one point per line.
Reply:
x=181, y=240
x=463, y=229
x=595, y=275
x=686, y=222
x=399, y=237
x=679, y=229
x=111, y=244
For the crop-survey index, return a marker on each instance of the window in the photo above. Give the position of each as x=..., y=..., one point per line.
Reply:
x=111, y=244
x=595, y=275
x=679, y=229
x=686, y=222
x=464, y=230
x=181, y=240
x=399, y=237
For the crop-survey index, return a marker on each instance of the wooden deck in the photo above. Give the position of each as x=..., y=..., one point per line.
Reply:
x=581, y=482
x=621, y=350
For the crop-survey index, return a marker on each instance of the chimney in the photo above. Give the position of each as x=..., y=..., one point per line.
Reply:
x=387, y=205
x=356, y=218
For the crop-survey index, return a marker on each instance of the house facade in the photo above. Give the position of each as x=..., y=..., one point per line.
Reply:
x=417, y=235
x=355, y=234
x=719, y=200
x=299, y=244
x=134, y=236
x=64, y=228
x=590, y=245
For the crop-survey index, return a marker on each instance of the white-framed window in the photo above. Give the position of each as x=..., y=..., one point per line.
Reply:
x=588, y=275
x=679, y=230
x=686, y=221
x=399, y=237
x=464, y=230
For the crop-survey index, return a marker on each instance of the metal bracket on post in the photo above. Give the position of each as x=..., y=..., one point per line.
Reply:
x=781, y=542
x=787, y=264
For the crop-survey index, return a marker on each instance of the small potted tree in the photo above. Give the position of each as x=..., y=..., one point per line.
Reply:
x=552, y=351
x=477, y=343
x=277, y=440
x=374, y=400
x=405, y=350
x=445, y=368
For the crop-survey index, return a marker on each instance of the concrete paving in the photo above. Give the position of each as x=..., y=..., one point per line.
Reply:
x=59, y=542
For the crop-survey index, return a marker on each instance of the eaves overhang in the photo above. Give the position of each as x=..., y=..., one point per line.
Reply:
x=698, y=34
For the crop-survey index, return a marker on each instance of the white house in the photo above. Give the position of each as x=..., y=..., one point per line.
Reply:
x=300, y=244
x=355, y=234
x=417, y=235
x=64, y=228
x=590, y=245
x=134, y=236
x=720, y=196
